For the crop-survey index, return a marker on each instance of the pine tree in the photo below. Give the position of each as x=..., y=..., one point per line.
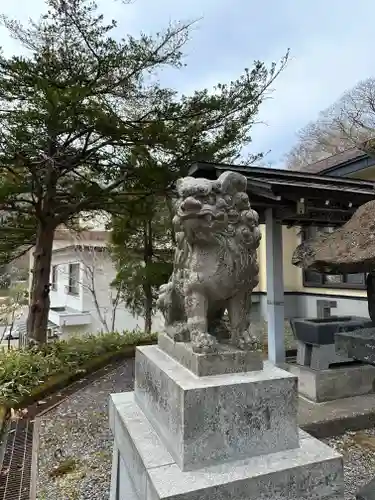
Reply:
x=70, y=123
x=82, y=128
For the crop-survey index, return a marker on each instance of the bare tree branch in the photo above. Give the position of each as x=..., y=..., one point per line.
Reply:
x=347, y=123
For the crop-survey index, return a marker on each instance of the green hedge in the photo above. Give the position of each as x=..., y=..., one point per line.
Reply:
x=27, y=374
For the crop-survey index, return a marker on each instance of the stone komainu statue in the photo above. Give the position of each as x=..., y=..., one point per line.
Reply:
x=215, y=266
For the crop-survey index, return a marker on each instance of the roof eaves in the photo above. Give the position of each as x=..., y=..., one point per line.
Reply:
x=330, y=163
x=269, y=176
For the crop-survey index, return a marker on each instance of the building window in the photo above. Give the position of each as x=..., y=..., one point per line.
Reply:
x=315, y=279
x=73, y=287
x=54, y=278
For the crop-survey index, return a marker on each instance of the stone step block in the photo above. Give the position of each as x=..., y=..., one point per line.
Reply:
x=334, y=383
x=146, y=469
x=205, y=420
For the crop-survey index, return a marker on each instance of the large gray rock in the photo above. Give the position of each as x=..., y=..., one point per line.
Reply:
x=349, y=249
x=215, y=265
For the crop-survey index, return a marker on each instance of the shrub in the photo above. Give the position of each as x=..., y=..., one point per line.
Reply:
x=22, y=370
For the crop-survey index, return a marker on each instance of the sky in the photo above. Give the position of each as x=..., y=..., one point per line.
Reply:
x=330, y=44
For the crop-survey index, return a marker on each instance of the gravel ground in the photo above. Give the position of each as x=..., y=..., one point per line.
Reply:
x=358, y=450
x=75, y=437
x=259, y=329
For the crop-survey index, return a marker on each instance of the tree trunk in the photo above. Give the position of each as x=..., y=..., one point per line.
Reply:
x=37, y=320
x=148, y=309
x=147, y=288
x=115, y=302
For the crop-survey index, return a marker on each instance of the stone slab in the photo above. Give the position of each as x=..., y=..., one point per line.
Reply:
x=227, y=359
x=204, y=420
x=358, y=344
x=311, y=472
x=334, y=418
x=125, y=484
x=367, y=492
x=121, y=482
x=334, y=383
x=114, y=471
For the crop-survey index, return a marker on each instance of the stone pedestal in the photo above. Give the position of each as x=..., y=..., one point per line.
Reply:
x=367, y=492
x=334, y=383
x=230, y=435
x=319, y=357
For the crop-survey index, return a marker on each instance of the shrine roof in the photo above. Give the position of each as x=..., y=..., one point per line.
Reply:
x=297, y=197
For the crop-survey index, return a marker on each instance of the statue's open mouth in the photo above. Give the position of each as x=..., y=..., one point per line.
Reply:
x=202, y=214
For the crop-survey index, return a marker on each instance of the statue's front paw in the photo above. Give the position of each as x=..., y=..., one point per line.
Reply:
x=245, y=341
x=203, y=342
x=179, y=332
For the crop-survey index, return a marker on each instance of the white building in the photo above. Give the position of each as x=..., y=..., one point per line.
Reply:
x=82, y=299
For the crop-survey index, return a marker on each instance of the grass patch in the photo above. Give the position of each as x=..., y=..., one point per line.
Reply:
x=29, y=374
x=67, y=466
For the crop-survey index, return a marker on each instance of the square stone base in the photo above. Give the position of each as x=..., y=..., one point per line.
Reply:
x=334, y=383
x=227, y=359
x=144, y=469
x=203, y=420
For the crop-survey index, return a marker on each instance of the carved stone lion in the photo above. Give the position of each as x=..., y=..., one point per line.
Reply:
x=215, y=265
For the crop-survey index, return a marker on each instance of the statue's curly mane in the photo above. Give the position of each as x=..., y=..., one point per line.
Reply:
x=240, y=224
